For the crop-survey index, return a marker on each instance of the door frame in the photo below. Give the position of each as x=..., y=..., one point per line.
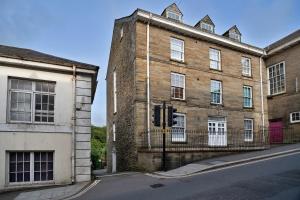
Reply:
x=217, y=140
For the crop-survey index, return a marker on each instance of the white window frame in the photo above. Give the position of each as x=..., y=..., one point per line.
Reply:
x=32, y=181
x=284, y=82
x=184, y=131
x=252, y=130
x=249, y=68
x=207, y=27
x=251, y=96
x=115, y=90
x=175, y=14
x=291, y=117
x=114, y=132
x=172, y=39
x=212, y=50
x=180, y=75
x=32, y=93
x=221, y=92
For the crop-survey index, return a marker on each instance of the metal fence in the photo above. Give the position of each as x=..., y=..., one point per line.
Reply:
x=178, y=140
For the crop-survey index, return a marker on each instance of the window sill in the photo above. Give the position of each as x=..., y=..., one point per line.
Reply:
x=274, y=95
x=247, y=76
x=217, y=70
x=248, y=141
x=296, y=122
x=248, y=108
x=174, y=99
x=179, y=141
x=216, y=104
x=31, y=123
x=178, y=61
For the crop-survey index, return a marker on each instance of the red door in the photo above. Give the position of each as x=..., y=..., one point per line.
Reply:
x=276, y=132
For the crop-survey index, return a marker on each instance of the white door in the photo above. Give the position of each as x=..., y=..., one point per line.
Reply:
x=114, y=161
x=217, y=131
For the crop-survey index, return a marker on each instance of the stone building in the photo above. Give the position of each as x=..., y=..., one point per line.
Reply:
x=45, y=121
x=214, y=81
x=283, y=67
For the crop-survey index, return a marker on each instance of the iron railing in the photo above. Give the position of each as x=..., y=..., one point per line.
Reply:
x=201, y=140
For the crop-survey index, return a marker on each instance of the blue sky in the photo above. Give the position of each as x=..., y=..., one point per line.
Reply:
x=82, y=29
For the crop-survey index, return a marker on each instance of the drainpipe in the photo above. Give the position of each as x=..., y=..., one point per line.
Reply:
x=262, y=96
x=74, y=125
x=148, y=82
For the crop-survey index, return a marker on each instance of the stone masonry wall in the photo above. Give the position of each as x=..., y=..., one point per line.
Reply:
x=280, y=106
x=197, y=75
x=122, y=61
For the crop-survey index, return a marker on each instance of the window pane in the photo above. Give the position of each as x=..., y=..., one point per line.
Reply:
x=45, y=87
x=50, y=175
x=37, y=166
x=43, y=156
x=37, y=176
x=26, y=176
x=19, y=177
x=12, y=177
x=27, y=156
x=27, y=166
x=51, y=99
x=12, y=167
x=38, y=86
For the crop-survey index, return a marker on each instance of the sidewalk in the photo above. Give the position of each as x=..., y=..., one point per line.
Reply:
x=53, y=193
x=223, y=161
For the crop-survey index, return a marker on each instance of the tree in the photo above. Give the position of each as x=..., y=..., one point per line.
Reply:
x=98, y=144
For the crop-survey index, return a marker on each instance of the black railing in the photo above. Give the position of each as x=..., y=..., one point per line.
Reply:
x=178, y=140
x=286, y=135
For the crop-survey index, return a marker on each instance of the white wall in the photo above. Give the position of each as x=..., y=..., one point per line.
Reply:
x=35, y=137
x=60, y=143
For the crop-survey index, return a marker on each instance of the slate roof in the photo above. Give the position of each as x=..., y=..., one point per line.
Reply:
x=284, y=40
x=205, y=19
x=31, y=55
x=233, y=27
x=172, y=7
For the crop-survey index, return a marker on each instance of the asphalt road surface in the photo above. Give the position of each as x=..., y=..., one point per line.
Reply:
x=277, y=178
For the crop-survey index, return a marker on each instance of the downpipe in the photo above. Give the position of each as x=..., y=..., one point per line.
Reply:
x=262, y=99
x=148, y=83
x=74, y=126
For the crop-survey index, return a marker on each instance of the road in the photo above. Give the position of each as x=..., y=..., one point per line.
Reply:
x=277, y=178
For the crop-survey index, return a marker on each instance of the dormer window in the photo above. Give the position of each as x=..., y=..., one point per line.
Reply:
x=233, y=33
x=173, y=12
x=173, y=15
x=234, y=36
x=206, y=24
x=207, y=27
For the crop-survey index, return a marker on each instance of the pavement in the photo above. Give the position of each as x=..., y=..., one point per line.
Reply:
x=50, y=193
x=224, y=161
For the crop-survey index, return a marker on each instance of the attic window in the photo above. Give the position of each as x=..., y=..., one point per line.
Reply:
x=173, y=15
x=207, y=27
x=235, y=36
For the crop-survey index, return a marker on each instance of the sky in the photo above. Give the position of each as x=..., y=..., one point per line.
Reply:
x=82, y=29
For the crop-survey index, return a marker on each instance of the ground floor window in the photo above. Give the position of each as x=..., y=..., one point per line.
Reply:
x=248, y=129
x=30, y=166
x=295, y=117
x=178, y=130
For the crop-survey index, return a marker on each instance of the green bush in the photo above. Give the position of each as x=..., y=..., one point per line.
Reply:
x=98, y=143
